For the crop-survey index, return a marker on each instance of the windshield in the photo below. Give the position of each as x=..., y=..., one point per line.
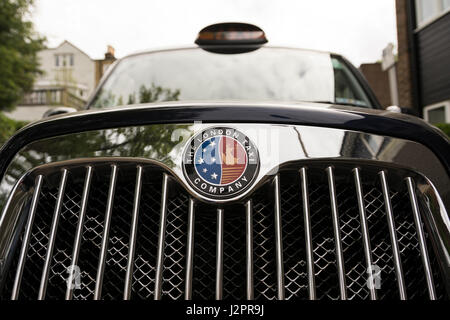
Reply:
x=266, y=74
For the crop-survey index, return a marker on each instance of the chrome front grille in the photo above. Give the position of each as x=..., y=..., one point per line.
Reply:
x=309, y=232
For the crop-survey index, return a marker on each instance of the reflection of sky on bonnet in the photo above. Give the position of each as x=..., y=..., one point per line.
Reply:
x=320, y=143
x=275, y=74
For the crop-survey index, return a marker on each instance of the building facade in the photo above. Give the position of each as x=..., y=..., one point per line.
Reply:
x=67, y=67
x=423, y=66
x=69, y=77
x=378, y=80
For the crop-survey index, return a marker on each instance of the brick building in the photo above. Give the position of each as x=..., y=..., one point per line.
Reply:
x=102, y=65
x=378, y=81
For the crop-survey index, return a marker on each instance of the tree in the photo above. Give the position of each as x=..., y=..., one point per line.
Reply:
x=156, y=93
x=149, y=142
x=8, y=127
x=19, y=44
x=152, y=93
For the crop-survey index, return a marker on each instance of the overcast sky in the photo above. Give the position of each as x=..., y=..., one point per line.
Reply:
x=358, y=29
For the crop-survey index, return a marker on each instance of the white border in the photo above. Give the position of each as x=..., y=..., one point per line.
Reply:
x=422, y=24
x=445, y=104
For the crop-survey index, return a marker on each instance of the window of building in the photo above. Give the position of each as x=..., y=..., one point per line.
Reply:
x=437, y=113
x=64, y=60
x=427, y=10
x=446, y=4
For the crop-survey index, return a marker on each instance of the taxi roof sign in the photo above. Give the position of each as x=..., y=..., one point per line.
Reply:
x=231, y=33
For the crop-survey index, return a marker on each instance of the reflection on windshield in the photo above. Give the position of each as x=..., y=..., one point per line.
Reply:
x=275, y=74
x=145, y=94
x=152, y=142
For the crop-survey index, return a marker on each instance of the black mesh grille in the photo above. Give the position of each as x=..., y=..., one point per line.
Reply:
x=264, y=245
x=64, y=239
x=204, y=263
x=119, y=237
x=92, y=238
x=234, y=254
x=296, y=282
x=351, y=236
x=323, y=243
x=147, y=239
x=379, y=239
x=38, y=244
x=204, y=254
x=175, y=247
x=409, y=247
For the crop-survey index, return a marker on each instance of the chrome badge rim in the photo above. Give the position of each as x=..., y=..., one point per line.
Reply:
x=220, y=163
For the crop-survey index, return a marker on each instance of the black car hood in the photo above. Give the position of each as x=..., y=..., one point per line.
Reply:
x=379, y=122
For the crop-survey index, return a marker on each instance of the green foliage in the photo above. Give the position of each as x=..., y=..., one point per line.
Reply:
x=18, y=47
x=156, y=93
x=131, y=99
x=8, y=127
x=445, y=127
x=152, y=93
x=149, y=142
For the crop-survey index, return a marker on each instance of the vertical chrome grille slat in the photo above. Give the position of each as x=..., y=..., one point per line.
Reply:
x=133, y=234
x=278, y=240
x=364, y=228
x=26, y=238
x=308, y=235
x=161, y=238
x=421, y=238
x=219, y=255
x=79, y=230
x=105, y=238
x=52, y=237
x=190, y=250
x=249, y=248
x=393, y=236
x=337, y=234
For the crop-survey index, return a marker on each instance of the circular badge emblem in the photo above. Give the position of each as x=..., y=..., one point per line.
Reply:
x=220, y=162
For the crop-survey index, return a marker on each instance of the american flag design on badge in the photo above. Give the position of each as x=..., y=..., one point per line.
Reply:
x=220, y=163
x=220, y=160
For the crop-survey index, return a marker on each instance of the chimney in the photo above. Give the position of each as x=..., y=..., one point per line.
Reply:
x=109, y=55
